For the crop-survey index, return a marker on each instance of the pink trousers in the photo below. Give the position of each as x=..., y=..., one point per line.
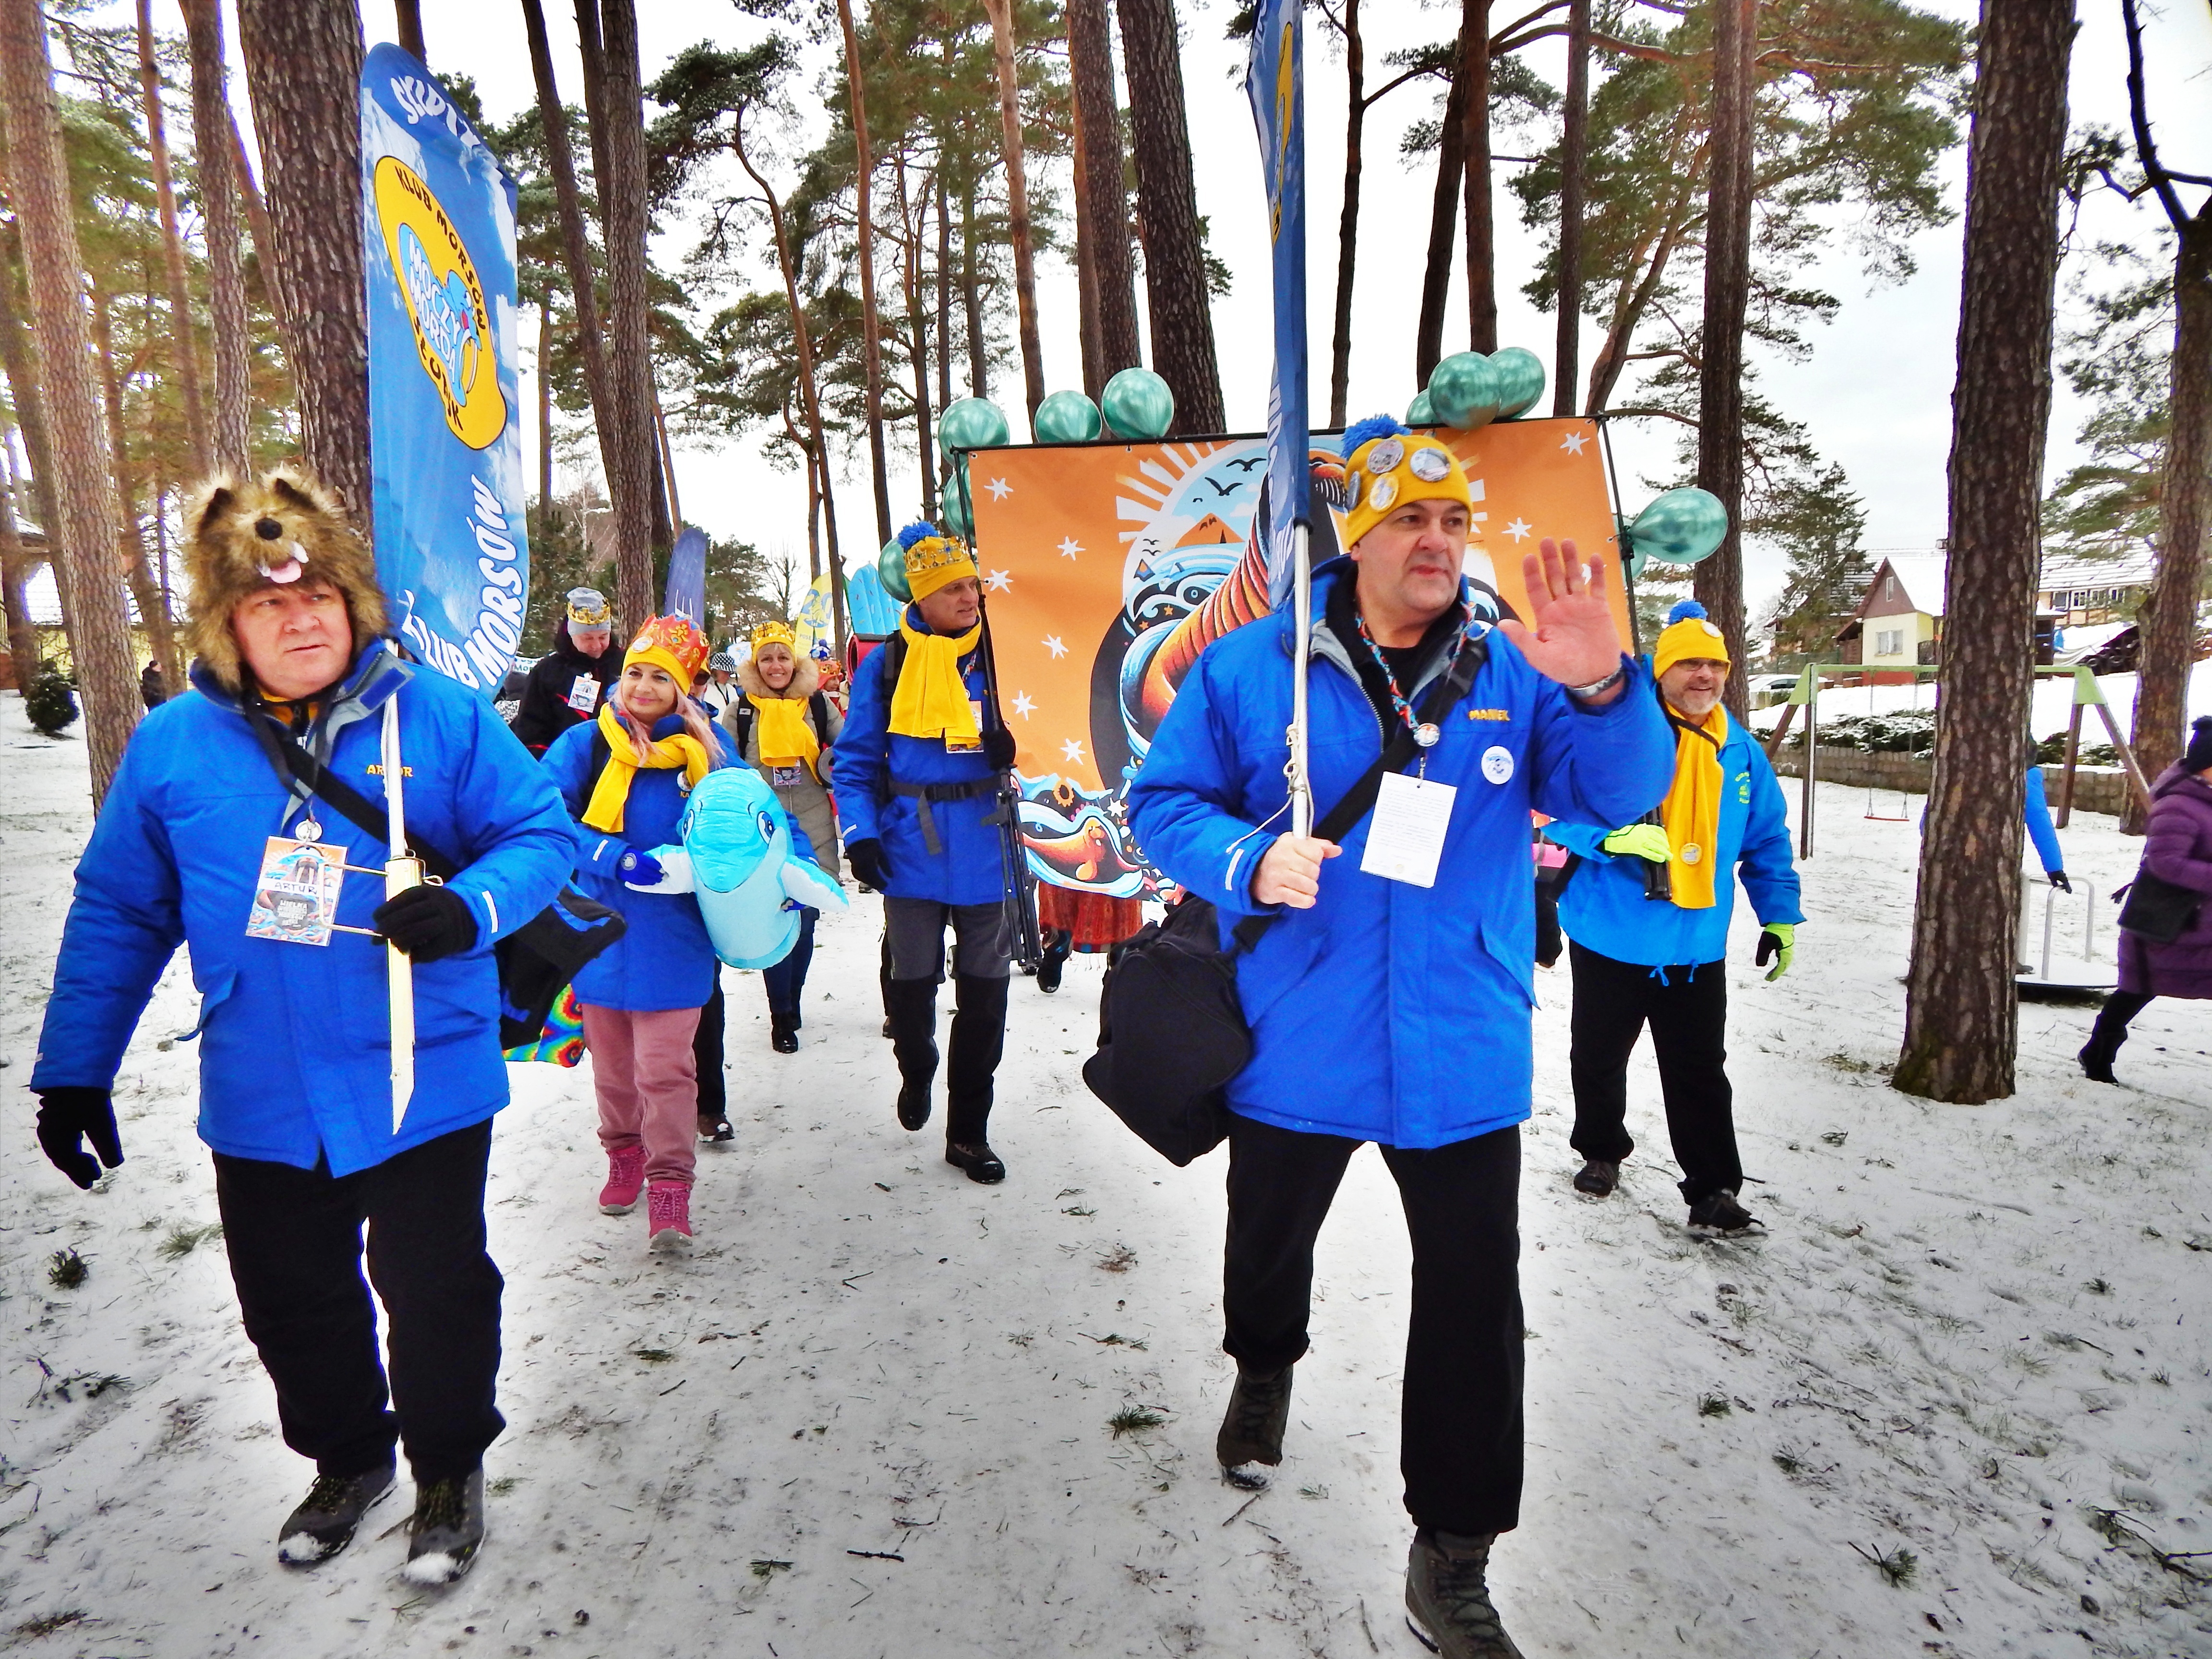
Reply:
x=648, y=1085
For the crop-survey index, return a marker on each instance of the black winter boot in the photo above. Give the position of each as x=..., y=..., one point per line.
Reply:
x=783, y=1031
x=2103, y=1046
x=1251, y=1438
x=330, y=1514
x=1447, y=1597
x=979, y=1036
x=912, y=1007
x=1059, y=945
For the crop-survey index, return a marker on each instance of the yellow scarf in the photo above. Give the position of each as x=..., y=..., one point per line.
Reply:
x=1692, y=811
x=784, y=737
x=611, y=793
x=931, y=699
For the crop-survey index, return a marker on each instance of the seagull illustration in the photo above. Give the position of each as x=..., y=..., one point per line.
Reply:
x=1246, y=463
x=1229, y=488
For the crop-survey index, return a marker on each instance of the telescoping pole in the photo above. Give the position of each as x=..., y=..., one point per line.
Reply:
x=1300, y=788
x=401, y=871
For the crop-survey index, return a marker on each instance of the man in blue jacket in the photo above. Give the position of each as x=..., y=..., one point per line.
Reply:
x=1389, y=1000
x=1639, y=960
x=916, y=771
x=201, y=841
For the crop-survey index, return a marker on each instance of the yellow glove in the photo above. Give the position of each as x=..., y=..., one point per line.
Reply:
x=1777, y=939
x=1639, y=840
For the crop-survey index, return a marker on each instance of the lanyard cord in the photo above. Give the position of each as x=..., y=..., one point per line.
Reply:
x=1398, y=698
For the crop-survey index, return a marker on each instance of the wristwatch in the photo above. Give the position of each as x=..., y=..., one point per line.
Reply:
x=1598, y=688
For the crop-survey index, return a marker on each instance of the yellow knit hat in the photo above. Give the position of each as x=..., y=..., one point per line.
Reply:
x=775, y=632
x=672, y=643
x=933, y=559
x=1688, y=634
x=1386, y=465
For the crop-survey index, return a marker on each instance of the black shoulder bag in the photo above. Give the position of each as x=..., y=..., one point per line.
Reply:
x=2157, y=909
x=1172, y=1029
x=537, y=961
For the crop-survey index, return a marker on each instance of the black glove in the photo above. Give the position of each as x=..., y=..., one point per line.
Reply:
x=67, y=1117
x=2059, y=880
x=869, y=864
x=998, y=748
x=427, y=923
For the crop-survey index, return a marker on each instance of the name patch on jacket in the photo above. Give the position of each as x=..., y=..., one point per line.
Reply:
x=1490, y=713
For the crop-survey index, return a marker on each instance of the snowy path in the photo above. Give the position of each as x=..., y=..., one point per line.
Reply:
x=1971, y=1332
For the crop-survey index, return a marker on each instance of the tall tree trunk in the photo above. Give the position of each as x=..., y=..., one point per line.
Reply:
x=912, y=222
x=1962, y=1010
x=1347, y=223
x=802, y=343
x=303, y=68
x=256, y=221
x=230, y=432
x=666, y=455
x=864, y=168
x=1443, y=224
x=629, y=342
x=943, y=290
x=1475, y=148
x=1574, y=161
x=129, y=543
x=971, y=300
x=184, y=337
x=591, y=54
x=15, y=570
x=19, y=354
x=544, y=380
x=1090, y=75
x=99, y=628
x=1718, y=583
x=1177, y=302
x=1086, y=266
x=410, y=30
x=1017, y=215
x=2169, y=623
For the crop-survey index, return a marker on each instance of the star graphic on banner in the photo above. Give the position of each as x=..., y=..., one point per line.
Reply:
x=1520, y=530
x=1024, y=704
x=1069, y=547
x=1000, y=581
x=1073, y=750
x=1001, y=488
x=1052, y=644
x=1573, y=442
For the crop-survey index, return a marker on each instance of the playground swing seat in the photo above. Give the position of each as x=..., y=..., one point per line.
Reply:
x=1903, y=813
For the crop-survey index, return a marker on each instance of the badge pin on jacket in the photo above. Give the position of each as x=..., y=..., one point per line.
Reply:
x=1498, y=763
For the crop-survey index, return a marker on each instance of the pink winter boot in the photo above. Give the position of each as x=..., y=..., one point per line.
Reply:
x=625, y=1175
x=668, y=1215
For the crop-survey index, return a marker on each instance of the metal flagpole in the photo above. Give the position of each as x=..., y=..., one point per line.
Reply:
x=401, y=871
x=1302, y=619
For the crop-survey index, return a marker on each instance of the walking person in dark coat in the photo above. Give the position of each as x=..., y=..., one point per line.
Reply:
x=2176, y=847
x=568, y=684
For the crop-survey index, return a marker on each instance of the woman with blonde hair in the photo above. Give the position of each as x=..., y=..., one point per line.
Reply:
x=625, y=777
x=782, y=726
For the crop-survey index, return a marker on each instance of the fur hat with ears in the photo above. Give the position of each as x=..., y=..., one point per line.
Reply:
x=251, y=534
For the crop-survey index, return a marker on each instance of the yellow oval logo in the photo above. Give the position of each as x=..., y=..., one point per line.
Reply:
x=445, y=303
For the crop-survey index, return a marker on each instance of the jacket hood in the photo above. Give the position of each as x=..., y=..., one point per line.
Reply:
x=2179, y=780
x=805, y=680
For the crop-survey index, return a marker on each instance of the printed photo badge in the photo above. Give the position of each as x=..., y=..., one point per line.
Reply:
x=296, y=895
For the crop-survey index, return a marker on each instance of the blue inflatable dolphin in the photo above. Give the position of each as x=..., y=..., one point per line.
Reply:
x=749, y=882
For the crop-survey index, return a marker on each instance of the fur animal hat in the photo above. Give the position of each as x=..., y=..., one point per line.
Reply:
x=249, y=534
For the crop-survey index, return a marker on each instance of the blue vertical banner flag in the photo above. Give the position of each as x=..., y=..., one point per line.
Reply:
x=685, y=592
x=445, y=420
x=1275, y=83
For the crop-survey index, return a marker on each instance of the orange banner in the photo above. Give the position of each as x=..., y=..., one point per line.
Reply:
x=1108, y=568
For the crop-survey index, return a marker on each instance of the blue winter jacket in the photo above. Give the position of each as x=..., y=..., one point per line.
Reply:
x=2040, y=829
x=1603, y=907
x=296, y=1043
x=868, y=759
x=664, y=960
x=1387, y=1012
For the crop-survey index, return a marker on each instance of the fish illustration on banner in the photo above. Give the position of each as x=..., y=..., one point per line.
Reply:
x=445, y=419
x=1110, y=567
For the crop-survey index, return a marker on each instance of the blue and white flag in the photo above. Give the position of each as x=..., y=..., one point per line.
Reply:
x=685, y=595
x=445, y=420
x=1276, y=83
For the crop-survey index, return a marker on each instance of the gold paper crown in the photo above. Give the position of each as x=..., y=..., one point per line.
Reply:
x=1385, y=472
x=587, y=609
x=935, y=561
x=672, y=643
x=774, y=633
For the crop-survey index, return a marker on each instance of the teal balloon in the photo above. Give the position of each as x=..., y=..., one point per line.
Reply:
x=891, y=570
x=1681, y=526
x=1520, y=374
x=1420, y=411
x=1463, y=391
x=953, y=503
x=971, y=423
x=1065, y=417
x=1138, y=404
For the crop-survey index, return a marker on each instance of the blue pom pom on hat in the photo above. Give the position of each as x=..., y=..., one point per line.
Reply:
x=1687, y=610
x=919, y=530
x=1360, y=433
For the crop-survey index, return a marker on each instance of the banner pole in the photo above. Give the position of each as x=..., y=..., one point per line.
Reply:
x=401, y=872
x=1301, y=790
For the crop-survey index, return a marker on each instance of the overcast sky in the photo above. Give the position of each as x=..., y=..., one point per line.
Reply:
x=1875, y=393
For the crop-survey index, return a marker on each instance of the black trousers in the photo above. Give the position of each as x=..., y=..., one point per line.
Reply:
x=1687, y=1012
x=295, y=1238
x=706, y=1053
x=1460, y=1428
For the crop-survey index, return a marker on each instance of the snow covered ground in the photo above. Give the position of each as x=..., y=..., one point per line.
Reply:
x=2054, y=696
x=1976, y=1344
